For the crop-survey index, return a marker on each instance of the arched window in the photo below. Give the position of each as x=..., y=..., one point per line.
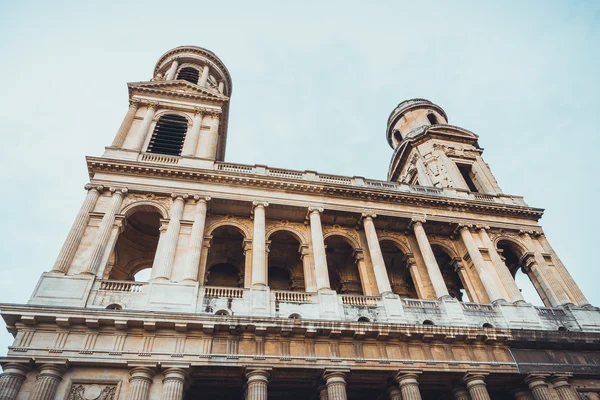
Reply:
x=168, y=135
x=397, y=269
x=527, y=283
x=343, y=272
x=432, y=119
x=285, y=270
x=189, y=74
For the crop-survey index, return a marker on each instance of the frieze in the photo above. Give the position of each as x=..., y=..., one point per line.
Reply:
x=92, y=391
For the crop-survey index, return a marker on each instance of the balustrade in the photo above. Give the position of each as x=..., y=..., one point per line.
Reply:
x=292, y=297
x=122, y=286
x=361, y=301
x=230, y=293
x=417, y=303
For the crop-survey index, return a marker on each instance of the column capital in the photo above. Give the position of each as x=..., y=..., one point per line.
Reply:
x=258, y=374
x=526, y=232
x=317, y=210
x=536, y=380
x=199, y=110
x=417, y=221
x=262, y=204
x=91, y=186
x=119, y=191
x=16, y=369
x=142, y=373
x=134, y=103
x=474, y=379
x=404, y=377
x=202, y=199
x=335, y=376
x=182, y=196
x=460, y=393
x=370, y=216
x=358, y=255
x=53, y=370
x=215, y=114
x=463, y=225
x=175, y=374
x=560, y=380
x=152, y=105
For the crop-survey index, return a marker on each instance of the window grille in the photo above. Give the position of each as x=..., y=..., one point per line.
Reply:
x=168, y=135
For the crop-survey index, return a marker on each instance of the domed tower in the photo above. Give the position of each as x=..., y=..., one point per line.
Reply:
x=429, y=152
x=180, y=114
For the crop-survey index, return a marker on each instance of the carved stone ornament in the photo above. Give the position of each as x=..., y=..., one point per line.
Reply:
x=92, y=391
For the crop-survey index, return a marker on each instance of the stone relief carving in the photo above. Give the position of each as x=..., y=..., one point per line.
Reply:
x=85, y=391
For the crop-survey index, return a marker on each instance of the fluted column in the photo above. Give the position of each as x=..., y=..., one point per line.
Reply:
x=167, y=243
x=502, y=270
x=256, y=388
x=69, y=248
x=173, y=384
x=461, y=393
x=409, y=386
x=204, y=76
x=191, y=138
x=522, y=394
x=564, y=274
x=555, y=289
x=259, y=250
x=196, y=239
x=476, y=386
x=336, y=385
x=47, y=381
x=126, y=124
x=538, y=386
x=563, y=388
x=322, y=390
x=11, y=379
x=381, y=276
x=435, y=275
x=139, y=383
x=318, y=245
x=487, y=277
x=103, y=231
x=144, y=127
x=207, y=148
x=395, y=393
x=172, y=70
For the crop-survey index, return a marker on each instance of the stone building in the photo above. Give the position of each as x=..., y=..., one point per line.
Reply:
x=280, y=284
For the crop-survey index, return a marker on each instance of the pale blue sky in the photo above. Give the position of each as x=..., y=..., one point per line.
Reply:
x=313, y=85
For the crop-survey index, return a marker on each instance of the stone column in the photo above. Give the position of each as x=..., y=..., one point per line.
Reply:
x=191, y=138
x=172, y=70
x=139, y=383
x=307, y=268
x=437, y=280
x=69, y=248
x=538, y=386
x=554, y=288
x=322, y=390
x=490, y=284
x=47, y=381
x=503, y=273
x=381, y=276
x=563, y=388
x=145, y=127
x=318, y=245
x=409, y=386
x=173, y=384
x=256, y=388
x=196, y=240
x=204, y=76
x=522, y=394
x=564, y=274
x=11, y=380
x=460, y=393
x=259, y=249
x=336, y=385
x=167, y=243
x=207, y=148
x=476, y=386
x=395, y=393
x=104, y=230
x=221, y=87
x=126, y=124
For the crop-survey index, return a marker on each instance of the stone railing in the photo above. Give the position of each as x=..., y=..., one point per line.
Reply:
x=122, y=286
x=417, y=303
x=478, y=307
x=226, y=292
x=361, y=301
x=367, y=183
x=292, y=297
x=160, y=158
x=551, y=311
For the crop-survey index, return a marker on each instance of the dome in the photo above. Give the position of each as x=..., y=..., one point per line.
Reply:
x=410, y=106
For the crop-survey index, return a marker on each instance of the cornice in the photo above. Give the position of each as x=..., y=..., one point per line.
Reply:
x=159, y=88
x=299, y=186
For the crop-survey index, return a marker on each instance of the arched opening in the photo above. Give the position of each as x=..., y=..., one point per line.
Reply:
x=169, y=135
x=453, y=282
x=136, y=245
x=397, y=269
x=226, y=259
x=189, y=74
x=511, y=254
x=295, y=316
x=487, y=325
x=428, y=322
x=432, y=119
x=285, y=265
x=344, y=277
x=363, y=319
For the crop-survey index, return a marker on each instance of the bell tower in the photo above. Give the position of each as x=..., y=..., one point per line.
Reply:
x=180, y=115
x=429, y=152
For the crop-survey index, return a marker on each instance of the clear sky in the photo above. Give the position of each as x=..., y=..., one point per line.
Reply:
x=313, y=85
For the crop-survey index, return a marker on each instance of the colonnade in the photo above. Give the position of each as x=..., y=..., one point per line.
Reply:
x=405, y=387
x=492, y=272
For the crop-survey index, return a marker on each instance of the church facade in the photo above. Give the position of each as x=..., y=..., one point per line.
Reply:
x=273, y=283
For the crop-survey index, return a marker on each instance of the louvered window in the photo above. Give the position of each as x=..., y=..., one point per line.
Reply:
x=189, y=74
x=168, y=135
